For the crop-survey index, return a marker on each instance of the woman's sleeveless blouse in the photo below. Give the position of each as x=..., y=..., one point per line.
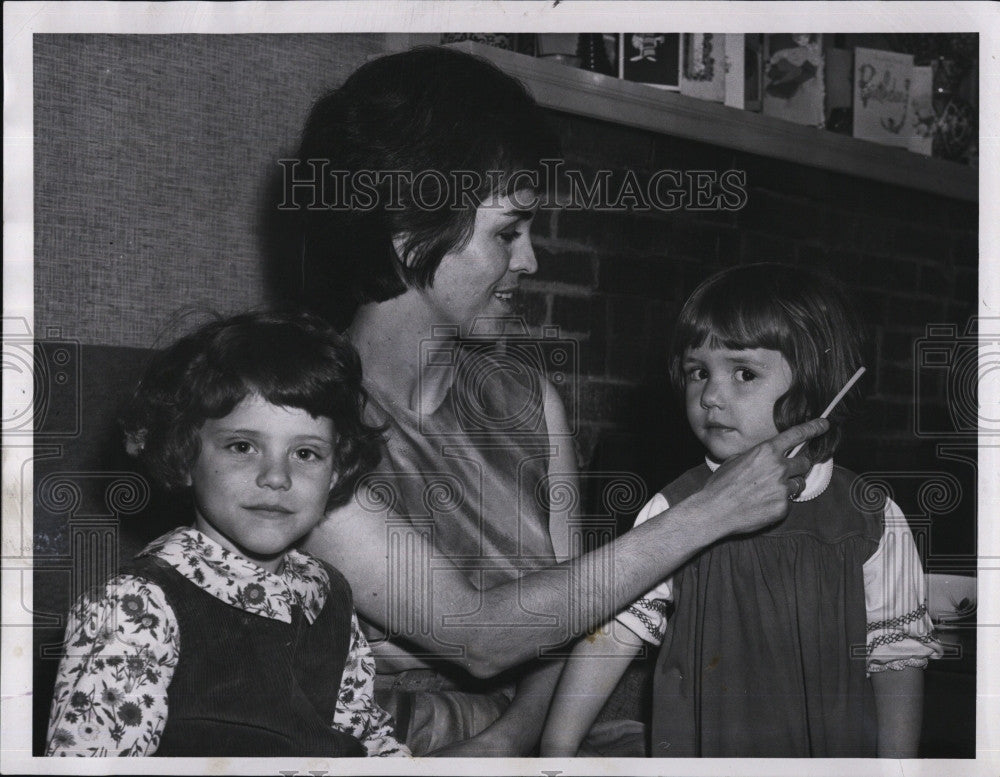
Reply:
x=472, y=475
x=471, y=472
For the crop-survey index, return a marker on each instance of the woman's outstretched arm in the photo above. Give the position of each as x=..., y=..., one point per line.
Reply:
x=402, y=584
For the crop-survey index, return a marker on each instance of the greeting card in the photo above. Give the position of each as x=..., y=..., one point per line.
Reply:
x=744, y=79
x=703, y=66
x=650, y=57
x=922, y=117
x=793, y=78
x=882, y=84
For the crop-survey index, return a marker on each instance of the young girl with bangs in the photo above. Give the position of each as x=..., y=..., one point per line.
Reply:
x=804, y=639
x=220, y=638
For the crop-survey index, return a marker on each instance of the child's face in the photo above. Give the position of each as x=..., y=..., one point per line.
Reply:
x=262, y=478
x=730, y=396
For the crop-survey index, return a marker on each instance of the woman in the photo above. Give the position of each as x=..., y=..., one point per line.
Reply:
x=451, y=547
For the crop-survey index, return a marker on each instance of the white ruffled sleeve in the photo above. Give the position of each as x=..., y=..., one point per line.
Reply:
x=899, y=627
x=647, y=617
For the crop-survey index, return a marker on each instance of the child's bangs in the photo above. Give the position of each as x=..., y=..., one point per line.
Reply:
x=301, y=396
x=273, y=369
x=736, y=325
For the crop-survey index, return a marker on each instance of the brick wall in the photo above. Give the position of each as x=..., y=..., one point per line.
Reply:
x=615, y=281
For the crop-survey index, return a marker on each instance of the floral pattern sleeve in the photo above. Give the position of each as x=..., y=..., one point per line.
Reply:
x=357, y=712
x=110, y=698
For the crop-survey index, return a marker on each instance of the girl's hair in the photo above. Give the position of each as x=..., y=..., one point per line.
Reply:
x=803, y=314
x=427, y=109
x=292, y=360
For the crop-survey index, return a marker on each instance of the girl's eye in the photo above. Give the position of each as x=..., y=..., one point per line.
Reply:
x=241, y=446
x=696, y=374
x=307, y=454
x=510, y=235
x=743, y=375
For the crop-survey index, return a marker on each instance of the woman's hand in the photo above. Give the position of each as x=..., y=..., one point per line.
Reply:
x=516, y=732
x=391, y=658
x=752, y=490
x=486, y=744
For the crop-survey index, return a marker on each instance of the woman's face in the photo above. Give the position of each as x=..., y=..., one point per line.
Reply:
x=479, y=279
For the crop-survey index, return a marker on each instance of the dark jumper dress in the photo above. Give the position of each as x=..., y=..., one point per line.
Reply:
x=246, y=685
x=765, y=652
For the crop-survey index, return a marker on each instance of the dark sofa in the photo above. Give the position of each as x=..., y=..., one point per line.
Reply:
x=92, y=508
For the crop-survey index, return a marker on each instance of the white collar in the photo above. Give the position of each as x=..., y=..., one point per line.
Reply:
x=817, y=479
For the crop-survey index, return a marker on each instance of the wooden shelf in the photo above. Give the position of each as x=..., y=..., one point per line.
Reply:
x=581, y=92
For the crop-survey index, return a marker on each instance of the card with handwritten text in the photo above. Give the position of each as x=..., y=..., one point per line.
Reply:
x=882, y=84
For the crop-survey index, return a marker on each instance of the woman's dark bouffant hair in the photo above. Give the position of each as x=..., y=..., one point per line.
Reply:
x=292, y=360
x=429, y=108
x=804, y=315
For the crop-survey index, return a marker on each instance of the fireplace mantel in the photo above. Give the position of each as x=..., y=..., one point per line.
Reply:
x=563, y=88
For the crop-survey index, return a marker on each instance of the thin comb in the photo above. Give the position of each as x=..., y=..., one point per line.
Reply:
x=833, y=404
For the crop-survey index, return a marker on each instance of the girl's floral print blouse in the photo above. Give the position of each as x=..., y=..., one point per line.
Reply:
x=122, y=646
